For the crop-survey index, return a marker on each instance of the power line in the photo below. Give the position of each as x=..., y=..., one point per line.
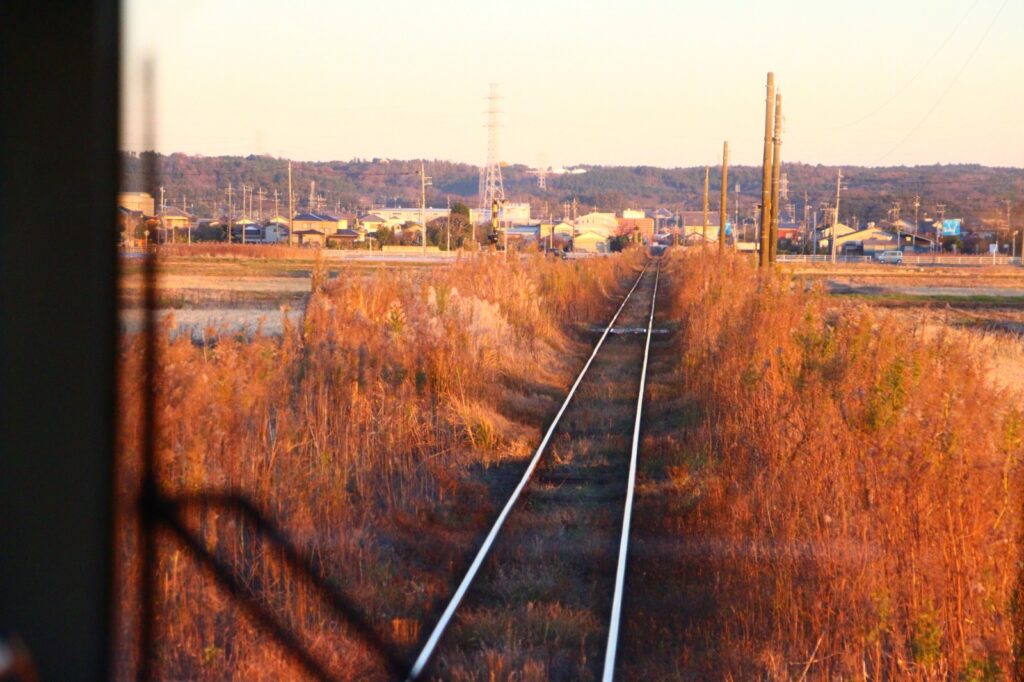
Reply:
x=913, y=78
x=949, y=87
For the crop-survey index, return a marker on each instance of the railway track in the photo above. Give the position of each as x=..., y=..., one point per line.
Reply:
x=544, y=591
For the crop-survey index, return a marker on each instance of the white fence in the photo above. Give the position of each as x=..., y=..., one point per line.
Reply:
x=917, y=259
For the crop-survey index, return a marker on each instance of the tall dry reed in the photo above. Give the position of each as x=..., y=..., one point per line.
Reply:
x=854, y=482
x=356, y=428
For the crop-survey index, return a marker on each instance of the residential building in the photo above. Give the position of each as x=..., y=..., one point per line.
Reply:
x=606, y=224
x=325, y=224
x=638, y=229
x=176, y=219
x=396, y=217
x=590, y=241
x=137, y=201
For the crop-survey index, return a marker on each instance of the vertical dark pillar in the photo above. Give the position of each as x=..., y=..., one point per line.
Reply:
x=58, y=184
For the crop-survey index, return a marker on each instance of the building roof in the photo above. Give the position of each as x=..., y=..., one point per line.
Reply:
x=372, y=218
x=175, y=212
x=315, y=217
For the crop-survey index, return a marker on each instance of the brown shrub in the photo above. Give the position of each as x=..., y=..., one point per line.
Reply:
x=355, y=429
x=862, y=483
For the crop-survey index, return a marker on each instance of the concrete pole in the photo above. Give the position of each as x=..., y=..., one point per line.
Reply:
x=704, y=232
x=766, y=171
x=773, y=238
x=725, y=198
x=835, y=219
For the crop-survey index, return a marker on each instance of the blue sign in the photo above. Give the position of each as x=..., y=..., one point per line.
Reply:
x=951, y=227
x=728, y=229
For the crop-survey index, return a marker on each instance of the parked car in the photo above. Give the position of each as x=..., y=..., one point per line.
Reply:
x=894, y=257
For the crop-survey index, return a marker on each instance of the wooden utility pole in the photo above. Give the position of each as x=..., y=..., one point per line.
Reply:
x=766, y=171
x=725, y=198
x=291, y=207
x=835, y=219
x=773, y=237
x=704, y=230
x=449, y=231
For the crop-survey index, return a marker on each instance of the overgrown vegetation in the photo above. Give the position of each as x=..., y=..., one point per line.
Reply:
x=356, y=431
x=853, y=487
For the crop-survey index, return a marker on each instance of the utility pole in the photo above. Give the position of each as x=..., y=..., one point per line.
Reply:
x=766, y=171
x=724, y=212
x=835, y=219
x=230, y=210
x=261, y=194
x=941, y=210
x=807, y=222
x=424, y=181
x=188, y=222
x=277, y=210
x=896, y=222
x=704, y=231
x=244, y=188
x=291, y=207
x=917, y=209
x=736, y=226
x=773, y=239
x=449, y=238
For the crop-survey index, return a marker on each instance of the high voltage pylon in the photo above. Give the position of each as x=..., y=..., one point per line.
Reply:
x=491, y=186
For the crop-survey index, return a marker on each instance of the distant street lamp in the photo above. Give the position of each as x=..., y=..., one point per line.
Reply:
x=1013, y=245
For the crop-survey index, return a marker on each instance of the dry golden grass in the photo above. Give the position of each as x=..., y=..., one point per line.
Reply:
x=354, y=430
x=853, y=483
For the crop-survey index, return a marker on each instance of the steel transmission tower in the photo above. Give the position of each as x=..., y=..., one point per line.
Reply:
x=491, y=186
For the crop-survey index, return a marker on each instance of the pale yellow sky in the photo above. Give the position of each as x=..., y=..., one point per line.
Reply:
x=606, y=82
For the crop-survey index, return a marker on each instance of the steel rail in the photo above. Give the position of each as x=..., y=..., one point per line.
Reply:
x=620, y=572
x=435, y=636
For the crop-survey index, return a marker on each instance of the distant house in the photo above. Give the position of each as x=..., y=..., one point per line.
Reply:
x=275, y=232
x=693, y=224
x=790, y=230
x=874, y=239
x=342, y=239
x=309, y=237
x=638, y=229
x=590, y=241
x=137, y=201
x=660, y=216
x=523, y=236
x=371, y=222
x=825, y=234
x=324, y=224
x=605, y=224
x=176, y=219
x=564, y=228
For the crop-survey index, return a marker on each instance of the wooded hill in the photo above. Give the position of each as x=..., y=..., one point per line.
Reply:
x=975, y=193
